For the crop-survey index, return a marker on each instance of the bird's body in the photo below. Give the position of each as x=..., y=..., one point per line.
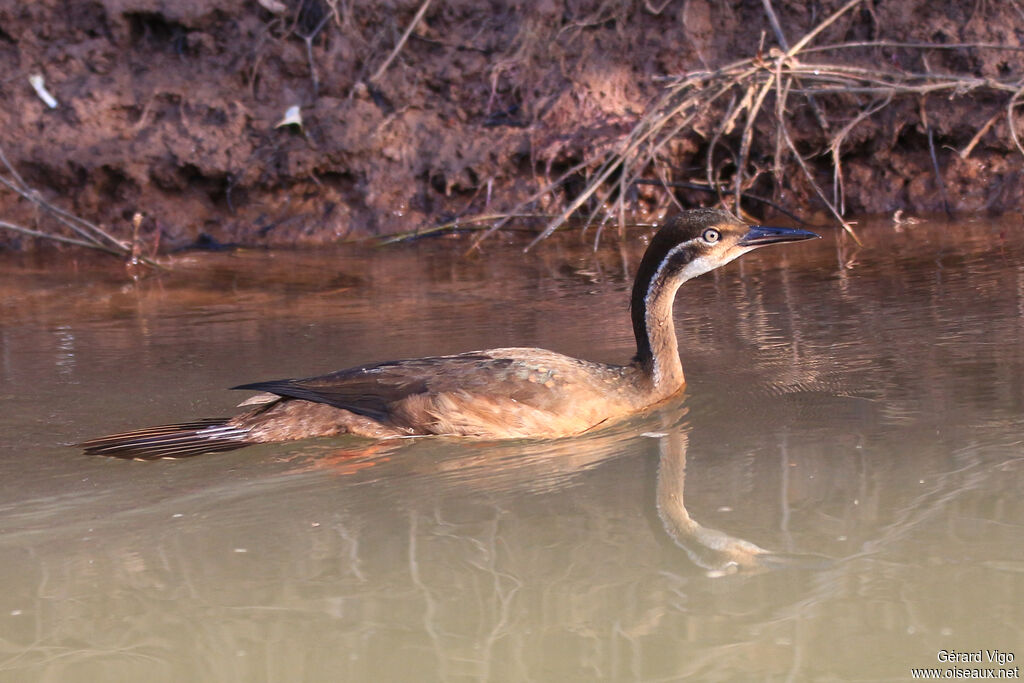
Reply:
x=493, y=394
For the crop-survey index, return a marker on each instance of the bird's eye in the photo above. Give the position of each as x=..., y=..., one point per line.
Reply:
x=711, y=235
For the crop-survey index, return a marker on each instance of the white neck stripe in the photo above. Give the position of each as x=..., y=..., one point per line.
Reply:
x=647, y=302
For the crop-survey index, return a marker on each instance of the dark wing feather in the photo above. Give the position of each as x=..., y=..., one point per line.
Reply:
x=371, y=390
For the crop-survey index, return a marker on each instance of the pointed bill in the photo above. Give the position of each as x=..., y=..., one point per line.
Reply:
x=761, y=235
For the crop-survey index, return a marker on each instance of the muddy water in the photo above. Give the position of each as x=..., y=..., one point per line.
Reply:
x=838, y=496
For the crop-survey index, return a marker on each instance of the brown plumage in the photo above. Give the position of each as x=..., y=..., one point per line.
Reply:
x=493, y=394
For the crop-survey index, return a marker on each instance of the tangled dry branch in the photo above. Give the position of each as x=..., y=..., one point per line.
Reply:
x=739, y=97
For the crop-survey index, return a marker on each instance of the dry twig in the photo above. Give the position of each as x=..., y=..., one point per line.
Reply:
x=89, y=234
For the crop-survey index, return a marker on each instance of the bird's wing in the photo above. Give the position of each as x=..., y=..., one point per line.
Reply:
x=372, y=390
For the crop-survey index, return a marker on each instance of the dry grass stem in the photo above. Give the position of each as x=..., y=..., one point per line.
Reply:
x=465, y=223
x=1011, y=105
x=836, y=143
x=848, y=227
x=773, y=19
x=813, y=33
x=49, y=236
x=401, y=41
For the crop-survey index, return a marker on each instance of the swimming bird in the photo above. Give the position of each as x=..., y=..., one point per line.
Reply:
x=506, y=393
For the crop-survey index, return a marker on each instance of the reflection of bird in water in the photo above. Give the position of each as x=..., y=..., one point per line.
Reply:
x=711, y=549
x=494, y=394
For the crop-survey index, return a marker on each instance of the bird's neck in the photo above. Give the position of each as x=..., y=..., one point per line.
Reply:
x=657, y=349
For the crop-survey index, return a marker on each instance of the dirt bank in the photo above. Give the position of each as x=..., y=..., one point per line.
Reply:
x=169, y=108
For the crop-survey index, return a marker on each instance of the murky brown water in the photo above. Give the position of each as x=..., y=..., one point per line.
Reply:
x=852, y=438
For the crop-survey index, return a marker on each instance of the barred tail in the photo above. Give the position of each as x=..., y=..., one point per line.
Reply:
x=171, y=441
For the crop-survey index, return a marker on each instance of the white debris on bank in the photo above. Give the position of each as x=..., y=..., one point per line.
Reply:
x=39, y=85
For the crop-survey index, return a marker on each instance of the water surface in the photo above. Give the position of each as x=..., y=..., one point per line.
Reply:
x=837, y=496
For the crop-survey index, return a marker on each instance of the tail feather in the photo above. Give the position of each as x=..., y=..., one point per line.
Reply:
x=171, y=441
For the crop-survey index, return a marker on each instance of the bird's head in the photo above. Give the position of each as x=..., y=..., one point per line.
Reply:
x=694, y=242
